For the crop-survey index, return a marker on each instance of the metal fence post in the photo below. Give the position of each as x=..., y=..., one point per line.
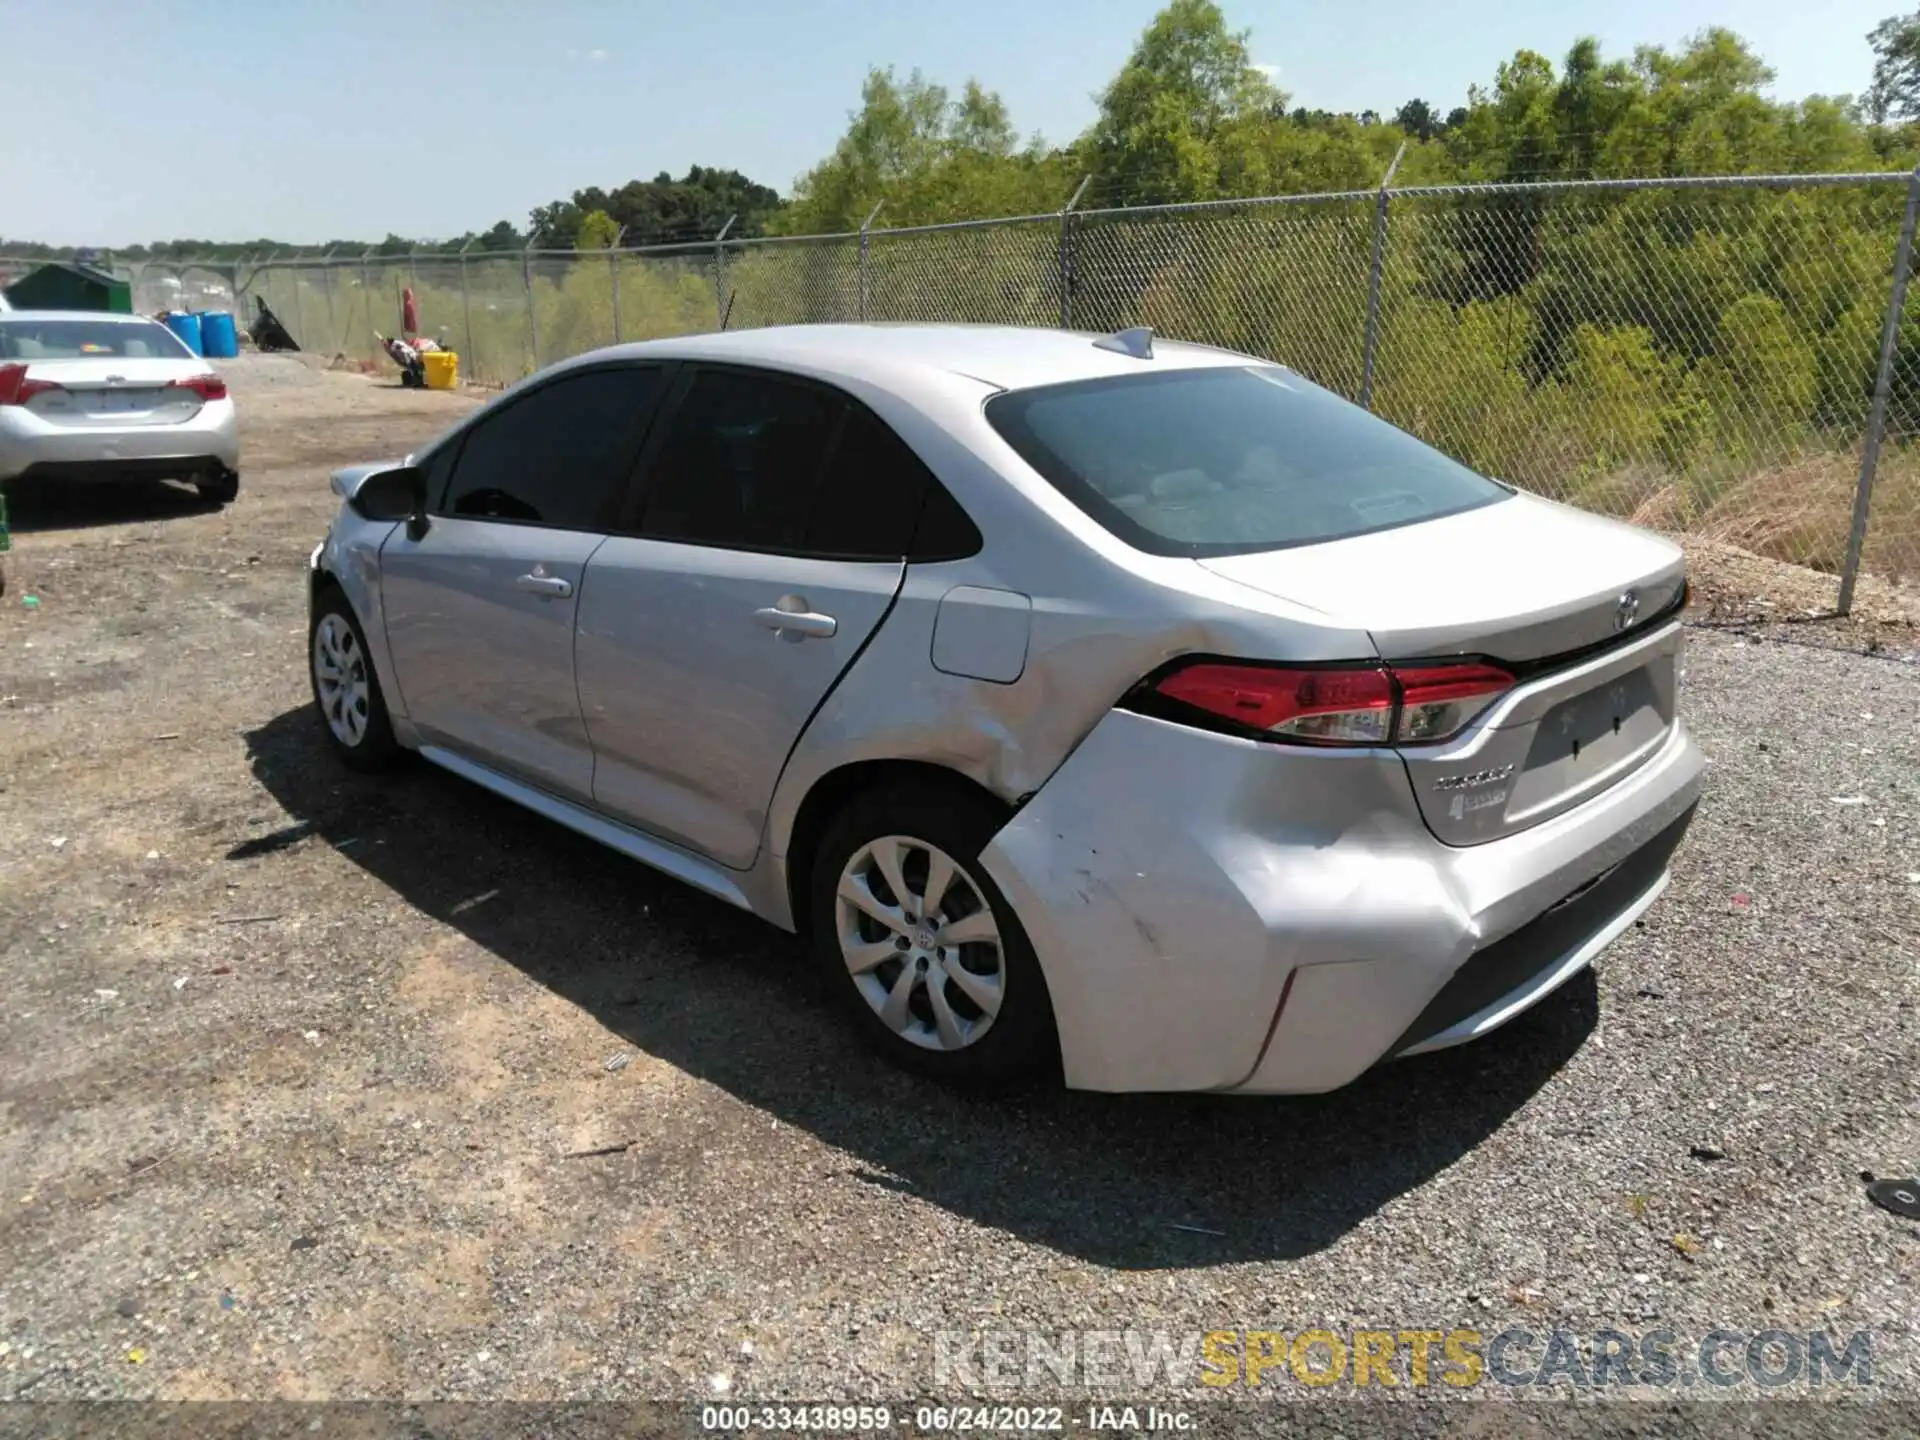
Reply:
x=865, y=226
x=1066, y=254
x=533, y=316
x=326, y=278
x=720, y=275
x=1882, y=388
x=240, y=287
x=1370, y=342
x=613, y=278
x=366, y=282
x=299, y=305
x=466, y=307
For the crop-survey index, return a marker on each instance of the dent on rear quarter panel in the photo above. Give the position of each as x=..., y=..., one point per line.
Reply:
x=1172, y=879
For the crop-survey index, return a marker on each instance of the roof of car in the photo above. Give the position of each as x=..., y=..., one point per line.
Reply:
x=1005, y=356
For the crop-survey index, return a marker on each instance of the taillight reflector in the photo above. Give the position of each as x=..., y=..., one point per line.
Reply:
x=1439, y=701
x=17, y=389
x=1342, y=705
x=207, y=387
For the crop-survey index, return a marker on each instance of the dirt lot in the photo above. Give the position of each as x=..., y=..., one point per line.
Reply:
x=297, y=1064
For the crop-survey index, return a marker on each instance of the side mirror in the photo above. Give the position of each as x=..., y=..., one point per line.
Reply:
x=397, y=494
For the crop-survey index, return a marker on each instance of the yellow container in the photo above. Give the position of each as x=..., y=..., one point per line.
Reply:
x=443, y=369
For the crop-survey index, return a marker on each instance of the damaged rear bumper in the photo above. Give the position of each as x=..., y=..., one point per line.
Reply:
x=1177, y=884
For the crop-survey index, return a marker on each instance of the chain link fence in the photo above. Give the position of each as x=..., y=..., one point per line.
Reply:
x=1730, y=360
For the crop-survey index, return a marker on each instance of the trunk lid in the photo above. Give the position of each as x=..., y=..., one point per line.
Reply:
x=1574, y=605
x=115, y=393
x=1514, y=581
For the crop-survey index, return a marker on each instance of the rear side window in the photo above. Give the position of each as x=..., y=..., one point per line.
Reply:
x=740, y=463
x=1230, y=460
x=754, y=461
x=871, y=495
x=558, y=456
x=24, y=338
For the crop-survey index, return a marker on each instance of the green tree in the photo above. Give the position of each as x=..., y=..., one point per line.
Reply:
x=1187, y=86
x=926, y=156
x=1761, y=378
x=597, y=231
x=1895, y=93
x=1419, y=120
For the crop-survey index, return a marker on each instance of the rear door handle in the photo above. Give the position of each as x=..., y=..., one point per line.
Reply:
x=539, y=584
x=791, y=619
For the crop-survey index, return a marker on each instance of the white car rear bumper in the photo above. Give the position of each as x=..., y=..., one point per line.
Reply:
x=32, y=446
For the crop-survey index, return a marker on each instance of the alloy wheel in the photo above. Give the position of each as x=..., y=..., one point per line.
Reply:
x=920, y=942
x=340, y=677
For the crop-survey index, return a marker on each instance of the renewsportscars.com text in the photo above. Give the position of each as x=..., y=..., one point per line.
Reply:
x=1514, y=1359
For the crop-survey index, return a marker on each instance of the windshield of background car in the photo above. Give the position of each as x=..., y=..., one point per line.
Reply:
x=1231, y=460
x=24, y=338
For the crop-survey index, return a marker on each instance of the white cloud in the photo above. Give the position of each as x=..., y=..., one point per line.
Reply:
x=596, y=55
x=1270, y=71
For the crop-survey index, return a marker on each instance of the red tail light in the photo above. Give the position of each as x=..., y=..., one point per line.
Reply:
x=1346, y=705
x=1437, y=702
x=1318, y=707
x=17, y=389
x=207, y=387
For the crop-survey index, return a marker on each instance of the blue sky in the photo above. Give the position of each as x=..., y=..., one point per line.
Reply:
x=135, y=120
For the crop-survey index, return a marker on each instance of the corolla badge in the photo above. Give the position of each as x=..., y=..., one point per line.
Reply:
x=1474, y=780
x=1626, y=610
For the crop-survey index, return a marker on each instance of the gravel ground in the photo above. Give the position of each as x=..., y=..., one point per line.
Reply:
x=298, y=1064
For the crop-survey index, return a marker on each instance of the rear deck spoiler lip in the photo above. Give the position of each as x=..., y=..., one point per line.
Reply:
x=1528, y=669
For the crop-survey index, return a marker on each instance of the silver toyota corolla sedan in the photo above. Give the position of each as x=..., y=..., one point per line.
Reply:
x=1137, y=707
x=88, y=396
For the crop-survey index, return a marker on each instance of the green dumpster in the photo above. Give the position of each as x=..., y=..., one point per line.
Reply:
x=66, y=286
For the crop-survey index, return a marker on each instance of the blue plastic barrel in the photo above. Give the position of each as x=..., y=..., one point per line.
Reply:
x=218, y=336
x=187, y=327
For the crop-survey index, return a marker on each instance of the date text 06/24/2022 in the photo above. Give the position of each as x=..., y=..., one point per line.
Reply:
x=945, y=1419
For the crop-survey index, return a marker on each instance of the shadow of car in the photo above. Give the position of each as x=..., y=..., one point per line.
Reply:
x=45, y=505
x=1130, y=1181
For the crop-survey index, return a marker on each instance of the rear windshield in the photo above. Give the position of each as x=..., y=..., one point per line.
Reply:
x=24, y=338
x=1223, y=461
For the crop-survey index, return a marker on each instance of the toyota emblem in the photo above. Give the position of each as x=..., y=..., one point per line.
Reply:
x=1626, y=610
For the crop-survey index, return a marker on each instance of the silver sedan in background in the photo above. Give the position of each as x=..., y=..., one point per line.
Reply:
x=86, y=396
x=1135, y=708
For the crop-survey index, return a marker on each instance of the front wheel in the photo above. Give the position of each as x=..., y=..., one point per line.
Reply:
x=346, y=691
x=920, y=946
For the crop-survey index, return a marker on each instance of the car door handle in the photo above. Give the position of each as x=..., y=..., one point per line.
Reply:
x=796, y=621
x=551, y=585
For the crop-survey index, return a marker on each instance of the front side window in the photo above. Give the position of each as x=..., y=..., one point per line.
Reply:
x=1230, y=460
x=558, y=456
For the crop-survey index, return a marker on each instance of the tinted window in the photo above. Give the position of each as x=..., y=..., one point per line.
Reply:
x=1212, y=462
x=557, y=456
x=870, y=496
x=741, y=462
x=438, y=470
x=24, y=338
x=945, y=531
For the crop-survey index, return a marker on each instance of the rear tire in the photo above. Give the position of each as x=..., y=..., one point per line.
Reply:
x=346, y=689
x=221, y=489
x=951, y=991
